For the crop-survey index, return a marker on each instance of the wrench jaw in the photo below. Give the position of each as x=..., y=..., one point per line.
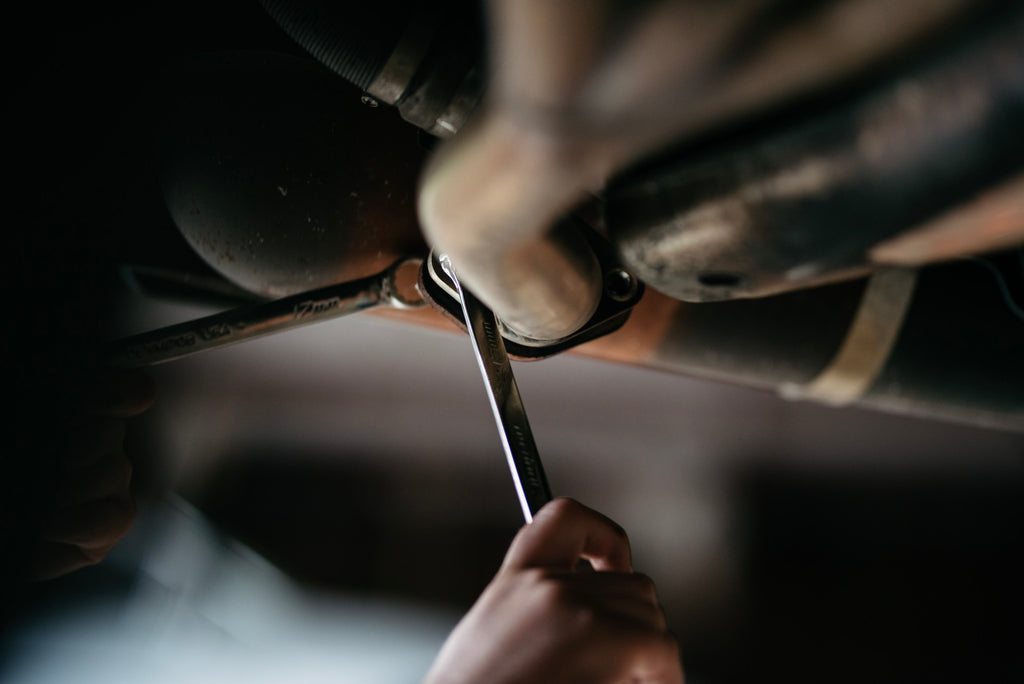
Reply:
x=621, y=292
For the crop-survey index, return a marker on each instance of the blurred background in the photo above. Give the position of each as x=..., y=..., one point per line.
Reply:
x=324, y=503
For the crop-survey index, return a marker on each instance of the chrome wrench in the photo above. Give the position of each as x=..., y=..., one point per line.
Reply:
x=506, y=404
x=247, y=322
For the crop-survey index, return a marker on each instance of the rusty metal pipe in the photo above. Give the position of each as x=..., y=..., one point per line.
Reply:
x=581, y=88
x=479, y=204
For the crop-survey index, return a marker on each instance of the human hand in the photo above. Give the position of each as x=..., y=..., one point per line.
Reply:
x=541, y=620
x=93, y=506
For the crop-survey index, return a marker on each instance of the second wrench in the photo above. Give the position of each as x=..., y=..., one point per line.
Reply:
x=236, y=325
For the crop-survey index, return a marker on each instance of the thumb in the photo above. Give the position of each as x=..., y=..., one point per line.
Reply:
x=563, y=532
x=120, y=393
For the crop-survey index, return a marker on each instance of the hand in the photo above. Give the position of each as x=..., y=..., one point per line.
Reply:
x=541, y=620
x=93, y=506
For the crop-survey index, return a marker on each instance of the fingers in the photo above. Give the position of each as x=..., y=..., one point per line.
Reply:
x=121, y=393
x=93, y=501
x=621, y=598
x=96, y=439
x=629, y=612
x=615, y=623
x=94, y=507
x=564, y=531
x=92, y=525
x=633, y=586
x=625, y=611
x=81, y=535
x=53, y=559
x=99, y=478
x=541, y=620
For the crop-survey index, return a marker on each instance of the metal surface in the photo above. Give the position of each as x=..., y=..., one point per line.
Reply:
x=506, y=404
x=578, y=90
x=424, y=60
x=393, y=79
x=609, y=76
x=868, y=344
x=957, y=356
x=352, y=39
x=621, y=293
x=805, y=205
x=992, y=221
x=237, y=325
x=280, y=179
x=447, y=86
x=546, y=282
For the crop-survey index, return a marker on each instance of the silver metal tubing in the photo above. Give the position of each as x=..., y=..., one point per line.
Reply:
x=245, y=323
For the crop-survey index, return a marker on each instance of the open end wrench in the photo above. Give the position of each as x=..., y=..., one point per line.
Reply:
x=247, y=322
x=506, y=404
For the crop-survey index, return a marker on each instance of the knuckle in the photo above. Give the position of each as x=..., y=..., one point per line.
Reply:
x=126, y=516
x=618, y=530
x=562, y=507
x=646, y=585
x=521, y=536
x=671, y=646
x=586, y=617
x=552, y=592
x=117, y=518
x=533, y=576
x=94, y=555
